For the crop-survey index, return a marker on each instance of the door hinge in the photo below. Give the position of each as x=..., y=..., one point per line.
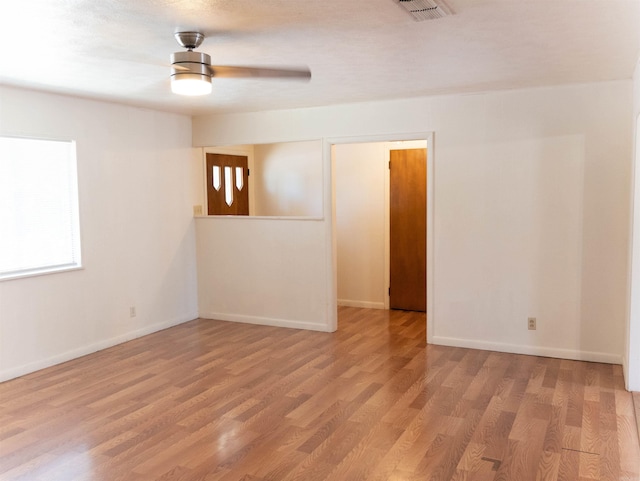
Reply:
x=389, y=165
x=248, y=172
x=389, y=292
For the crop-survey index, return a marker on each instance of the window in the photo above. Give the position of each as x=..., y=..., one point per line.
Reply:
x=39, y=228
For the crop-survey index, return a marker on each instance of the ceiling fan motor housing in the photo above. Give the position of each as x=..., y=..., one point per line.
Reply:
x=190, y=64
x=190, y=73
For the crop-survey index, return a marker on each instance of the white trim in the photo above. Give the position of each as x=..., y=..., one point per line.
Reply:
x=431, y=238
x=264, y=321
x=365, y=304
x=631, y=362
x=18, y=371
x=590, y=356
x=330, y=236
x=257, y=217
x=387, y=228
x=40, y=272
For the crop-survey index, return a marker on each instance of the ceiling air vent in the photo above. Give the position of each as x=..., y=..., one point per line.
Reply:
x=426, y=9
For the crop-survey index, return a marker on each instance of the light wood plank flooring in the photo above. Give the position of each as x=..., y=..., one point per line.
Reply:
x=210, y=400
x=636, y=402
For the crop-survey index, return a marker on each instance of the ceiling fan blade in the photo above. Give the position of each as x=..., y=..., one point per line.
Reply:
x=259, y=72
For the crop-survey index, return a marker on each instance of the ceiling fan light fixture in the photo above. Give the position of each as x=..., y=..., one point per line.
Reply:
x=190, y=73
x=191, y=85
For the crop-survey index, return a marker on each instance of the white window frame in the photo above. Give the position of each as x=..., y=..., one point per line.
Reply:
x=59, y=264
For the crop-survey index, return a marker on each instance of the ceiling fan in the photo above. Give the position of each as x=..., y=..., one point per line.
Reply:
x=191, y=72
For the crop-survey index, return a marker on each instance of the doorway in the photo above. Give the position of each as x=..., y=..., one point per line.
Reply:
x=371, y=288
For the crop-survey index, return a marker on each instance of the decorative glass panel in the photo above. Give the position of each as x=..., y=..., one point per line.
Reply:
x=216, y=177
x=228, y=185
x=239, y=178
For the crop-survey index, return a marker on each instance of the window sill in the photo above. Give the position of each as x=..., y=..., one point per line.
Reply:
x=39, y=272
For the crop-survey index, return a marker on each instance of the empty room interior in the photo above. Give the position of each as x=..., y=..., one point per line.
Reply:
x=277, y=240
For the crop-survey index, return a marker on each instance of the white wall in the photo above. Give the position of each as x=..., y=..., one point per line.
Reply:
x=287, y=179
x=262, y=271
x=632, y=358
x=531, y=208
x=137, y=175
x=359, y=173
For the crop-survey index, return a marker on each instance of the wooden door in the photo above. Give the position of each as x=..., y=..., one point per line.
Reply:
x=408, y=230
x=227, y=184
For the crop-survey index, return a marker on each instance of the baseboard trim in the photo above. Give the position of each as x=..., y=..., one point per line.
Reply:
x=12, y=373
x=264, y=321
x=590, y=356
x=365, y=304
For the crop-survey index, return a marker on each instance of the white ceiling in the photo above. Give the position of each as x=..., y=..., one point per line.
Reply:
x=357, y=50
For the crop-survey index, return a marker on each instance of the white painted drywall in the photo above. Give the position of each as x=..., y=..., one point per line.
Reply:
x=287, y=179
x=262, y=271
x=137, y=179
x=514, y=233
x=359, y=173
x=632, y=357
x=531, y=208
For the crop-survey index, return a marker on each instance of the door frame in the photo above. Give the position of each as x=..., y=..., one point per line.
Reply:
x=330, y=207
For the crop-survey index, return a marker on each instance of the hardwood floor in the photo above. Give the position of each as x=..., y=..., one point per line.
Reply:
x=636, y=403
x=210, y=400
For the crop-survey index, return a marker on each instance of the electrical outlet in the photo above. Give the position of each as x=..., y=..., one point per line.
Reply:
x=132, y=312
x=197, y=210
x=532, y=323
